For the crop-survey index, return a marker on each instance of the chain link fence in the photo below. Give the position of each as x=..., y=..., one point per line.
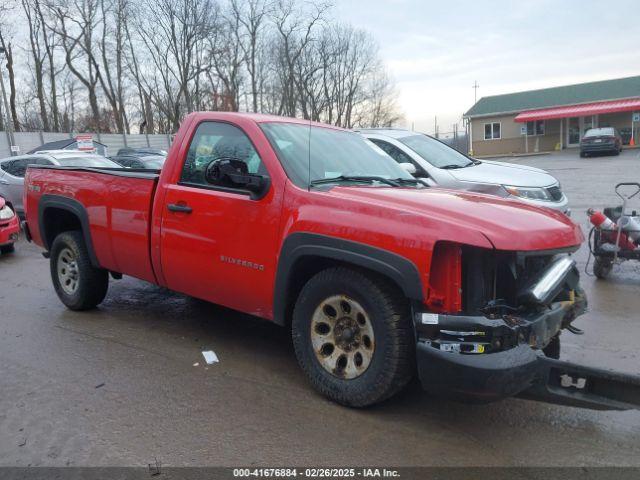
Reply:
x=27, y=141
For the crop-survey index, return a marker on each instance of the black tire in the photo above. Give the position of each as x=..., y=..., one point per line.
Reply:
x=89, y=288
x=602, y=267
x=390, y=355
x=5, y=249
x=583, y=155
x=552, y=350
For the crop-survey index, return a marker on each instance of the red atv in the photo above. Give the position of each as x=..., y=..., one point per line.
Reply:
x=615, y=236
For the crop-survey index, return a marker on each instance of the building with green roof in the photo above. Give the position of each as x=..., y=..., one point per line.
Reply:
x=553, y=118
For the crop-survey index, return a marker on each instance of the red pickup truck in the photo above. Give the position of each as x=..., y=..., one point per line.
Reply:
x=313, y=228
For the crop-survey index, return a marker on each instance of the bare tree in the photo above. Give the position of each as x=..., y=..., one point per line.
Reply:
x=5, y=7
x=225, y=55
x=104, y=65
x=252, y=16
x=112, y=19
x=175, y=33
x=48, y=43
x=75, y=24
x=146, y=113
x=380, y=108
x=6, y=35
x=36, y=32
x=296, y=29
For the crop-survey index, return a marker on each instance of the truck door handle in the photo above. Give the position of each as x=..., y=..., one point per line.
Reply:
x=174, y=207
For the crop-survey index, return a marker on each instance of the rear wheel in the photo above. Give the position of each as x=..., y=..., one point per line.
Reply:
x=7, y=248
x=353, y=337
x=79, y=285
x=583, y=154
x=602, y=267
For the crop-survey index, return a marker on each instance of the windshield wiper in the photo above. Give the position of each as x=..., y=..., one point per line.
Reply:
x=408, y=181
x=356, y=178
x=454, y=166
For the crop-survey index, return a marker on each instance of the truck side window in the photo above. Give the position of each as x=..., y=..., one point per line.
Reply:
x=212, y=141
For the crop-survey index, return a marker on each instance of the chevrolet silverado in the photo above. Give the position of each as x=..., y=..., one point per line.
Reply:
x=312, y=227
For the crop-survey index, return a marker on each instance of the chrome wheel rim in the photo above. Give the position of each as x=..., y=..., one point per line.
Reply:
x=68, y=274
x=342, y=337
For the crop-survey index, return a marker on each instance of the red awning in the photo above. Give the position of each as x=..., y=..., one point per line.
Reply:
x=580, y=110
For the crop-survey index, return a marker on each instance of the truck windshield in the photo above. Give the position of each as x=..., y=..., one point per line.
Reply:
x=330, y=153
x=435, y=152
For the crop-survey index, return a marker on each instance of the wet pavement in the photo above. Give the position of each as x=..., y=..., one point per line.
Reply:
x=120, y=385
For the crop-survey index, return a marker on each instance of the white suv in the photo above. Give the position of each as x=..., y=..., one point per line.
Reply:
x=437, y=164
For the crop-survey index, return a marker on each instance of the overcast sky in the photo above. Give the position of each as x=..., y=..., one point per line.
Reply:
x=436, y=50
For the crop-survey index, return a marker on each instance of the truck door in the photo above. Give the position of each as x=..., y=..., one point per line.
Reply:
x=217, y=243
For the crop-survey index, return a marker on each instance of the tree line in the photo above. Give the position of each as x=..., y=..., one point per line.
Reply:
x=134, y=66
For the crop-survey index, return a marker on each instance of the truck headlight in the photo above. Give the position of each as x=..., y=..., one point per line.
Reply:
x=6, y=213
x=529, y=193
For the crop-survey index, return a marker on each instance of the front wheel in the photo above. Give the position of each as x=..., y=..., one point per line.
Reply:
x=602, y=267
x=353, y=337
x=79, y=285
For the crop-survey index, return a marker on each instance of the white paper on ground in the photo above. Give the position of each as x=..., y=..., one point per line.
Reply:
x=210, y=357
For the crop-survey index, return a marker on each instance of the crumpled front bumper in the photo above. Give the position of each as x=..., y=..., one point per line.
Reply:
x=511, y=347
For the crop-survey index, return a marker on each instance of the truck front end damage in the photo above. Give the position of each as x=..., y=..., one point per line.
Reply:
x=502, y=338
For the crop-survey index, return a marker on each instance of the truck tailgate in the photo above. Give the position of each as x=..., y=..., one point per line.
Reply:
x=118, y=207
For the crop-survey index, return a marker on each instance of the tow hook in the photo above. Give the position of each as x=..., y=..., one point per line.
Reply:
x=565, y=383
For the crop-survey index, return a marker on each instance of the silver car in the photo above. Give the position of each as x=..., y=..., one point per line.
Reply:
x=13, y=169
x=440, y=165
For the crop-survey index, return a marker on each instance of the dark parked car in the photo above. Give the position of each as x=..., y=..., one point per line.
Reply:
x=601, y=140
x=69, y=144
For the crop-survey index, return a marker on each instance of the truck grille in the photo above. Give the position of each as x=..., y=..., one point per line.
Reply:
x=497, y=276
x=555, y=192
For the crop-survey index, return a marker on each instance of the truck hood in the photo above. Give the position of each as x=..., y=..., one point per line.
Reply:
x=504, y=174
x=507, y=224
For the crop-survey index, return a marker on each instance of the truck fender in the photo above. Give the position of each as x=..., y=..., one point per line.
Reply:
x=301, y=246
x=58, y=202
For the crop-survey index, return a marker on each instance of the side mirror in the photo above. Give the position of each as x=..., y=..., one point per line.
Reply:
x=409, y=168
x=233, y=173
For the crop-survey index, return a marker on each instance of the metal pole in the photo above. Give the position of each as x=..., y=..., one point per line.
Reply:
x=9, y=120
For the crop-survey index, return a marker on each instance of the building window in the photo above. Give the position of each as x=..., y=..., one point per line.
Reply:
x=535, y=128
x=492, y=131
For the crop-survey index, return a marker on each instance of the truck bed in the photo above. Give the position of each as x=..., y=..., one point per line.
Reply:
x=117, y=202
